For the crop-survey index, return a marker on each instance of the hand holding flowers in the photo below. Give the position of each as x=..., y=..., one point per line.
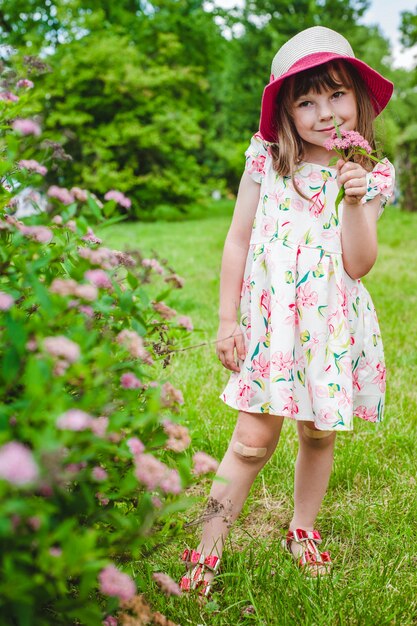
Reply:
x=352, y=176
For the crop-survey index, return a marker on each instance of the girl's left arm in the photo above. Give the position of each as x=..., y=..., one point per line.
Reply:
x=359, y=223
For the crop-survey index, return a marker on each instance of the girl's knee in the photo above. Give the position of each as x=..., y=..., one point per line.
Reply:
x=316, y=438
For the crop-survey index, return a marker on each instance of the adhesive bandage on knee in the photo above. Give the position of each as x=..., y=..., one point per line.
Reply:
x=316, y=434
x=248, y=452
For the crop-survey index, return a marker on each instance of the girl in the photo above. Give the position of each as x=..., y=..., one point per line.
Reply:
x=308, y=344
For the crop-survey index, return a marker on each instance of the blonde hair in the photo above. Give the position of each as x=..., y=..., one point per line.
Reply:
x=288, y=152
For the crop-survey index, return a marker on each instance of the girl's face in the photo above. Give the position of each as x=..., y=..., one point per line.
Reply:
x=313, y=114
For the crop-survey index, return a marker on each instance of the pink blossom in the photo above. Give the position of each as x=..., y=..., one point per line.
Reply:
x=110, y=621
x=244, y=396
x=42, y=234
x=349, y=139
x=116, y=584
x=178, y=436
x=57, y=219
x=71, y=225
x=102, y=499
x=149, y=470
x=130, y=381
x=55, y=551
x=171, y=396
x=306, y=297
x=176, y=281
x=6, y=301
x=171, y=482
x=118, y=197
x=165, y=582
x=99, y=278
x=60, y=346
x=34, y=522
x=63, y=286
x=17, y=464
x=257, y=165
x=99, y=474
x=282, y=363
x=157, y=502
x=60, y=193
x=164, y=311
x=74, y=419
x=26, y=127
x=99, y=425
x=87, y=310
x=380, y=378
x=24, y=83
x=135, y=445
x=102, y=256
x=91, y=237
x=86, y=292
x=185, y=322
x=79, y=194
x=134, y=345
x=8, y=96
x=33, y=166
x=153, y=264
x=204, y=463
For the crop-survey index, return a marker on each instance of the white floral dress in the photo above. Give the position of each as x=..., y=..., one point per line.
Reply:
x=314, y=349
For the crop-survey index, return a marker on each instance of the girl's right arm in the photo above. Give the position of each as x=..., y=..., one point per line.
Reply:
x=229, y=336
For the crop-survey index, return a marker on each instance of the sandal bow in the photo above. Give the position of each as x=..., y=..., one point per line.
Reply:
x=310, y=557
x=199, y=565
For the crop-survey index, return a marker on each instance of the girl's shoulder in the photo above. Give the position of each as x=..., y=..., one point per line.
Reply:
x=257, y=155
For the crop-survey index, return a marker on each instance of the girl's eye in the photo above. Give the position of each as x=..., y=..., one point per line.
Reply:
x=338, y=94
x=304, y=103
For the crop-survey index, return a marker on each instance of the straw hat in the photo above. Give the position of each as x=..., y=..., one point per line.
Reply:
x=315, y=46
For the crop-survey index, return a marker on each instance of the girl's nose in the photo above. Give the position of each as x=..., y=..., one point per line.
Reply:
x=325, y=112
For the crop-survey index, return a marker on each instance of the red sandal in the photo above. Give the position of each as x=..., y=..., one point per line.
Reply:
x=311, y=559
x=198, y=565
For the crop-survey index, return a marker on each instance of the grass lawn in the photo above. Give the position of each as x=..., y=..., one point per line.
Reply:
x=369, y=516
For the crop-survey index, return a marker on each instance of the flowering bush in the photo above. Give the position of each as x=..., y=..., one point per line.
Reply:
x=92, y=458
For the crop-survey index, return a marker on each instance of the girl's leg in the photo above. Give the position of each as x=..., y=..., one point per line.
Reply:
x=312, y=472
x=254, y=440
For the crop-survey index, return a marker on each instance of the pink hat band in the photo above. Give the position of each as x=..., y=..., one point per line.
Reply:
x=288, y=62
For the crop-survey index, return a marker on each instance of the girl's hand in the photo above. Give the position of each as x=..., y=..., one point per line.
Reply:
x=229, y=340
x=353, y=177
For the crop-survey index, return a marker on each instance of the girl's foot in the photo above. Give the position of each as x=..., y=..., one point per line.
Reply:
x=302, y=545
x=201, y=571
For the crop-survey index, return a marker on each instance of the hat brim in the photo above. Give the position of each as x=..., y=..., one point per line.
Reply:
x=379, y=88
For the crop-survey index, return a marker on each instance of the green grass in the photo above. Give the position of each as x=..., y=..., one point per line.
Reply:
x=369, y=516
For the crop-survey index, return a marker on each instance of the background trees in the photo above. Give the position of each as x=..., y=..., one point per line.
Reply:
x=160, y=98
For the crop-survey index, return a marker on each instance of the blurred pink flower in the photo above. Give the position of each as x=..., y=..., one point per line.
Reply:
x=17, y=464
x=74, y=419
x=134, y=345
x=99, y=474
x=102, y=499
x=8, y=96
x=57, y=219
x=149, y=470
x=42, y=234
x=175, y=280
x=91, y=237
x=157, y=502
x=116, y=584
x=60, y=193
x=185, y=322
x=118, y=197
x=24, y=82
x=86, y=292
x=33, y=166
x=34, y=522
x=6, y=301
x=154, y=264
x=99, y=278
x=63, y=286
x=178, y=436
x=110, y=621
x=87, y=310
x=135, y=445
x=164, y=311
x=26, y=127
x=130, y=381
x=60, y=346
x=204, y=463
x=165, y=582
x=171, y=396
x=71, y=225
x=79, y=194
x=99, y=425
x=55, y=551
x=171, y=482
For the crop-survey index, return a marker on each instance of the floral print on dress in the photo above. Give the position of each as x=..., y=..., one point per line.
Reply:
x=314, y=349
